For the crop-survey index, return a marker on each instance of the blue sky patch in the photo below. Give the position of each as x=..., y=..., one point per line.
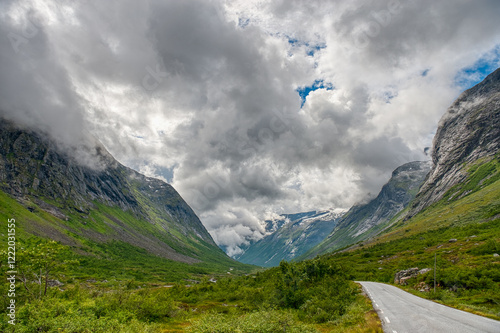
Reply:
x=311, y=49
x=470, y=76
x=318, y=84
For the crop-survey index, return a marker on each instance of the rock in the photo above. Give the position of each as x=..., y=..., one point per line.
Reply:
x=496, y=255
x=54, y=283
x=402, y=276
x=424, y=270
x=453, y=240
x=403, y=280
x=423, y=287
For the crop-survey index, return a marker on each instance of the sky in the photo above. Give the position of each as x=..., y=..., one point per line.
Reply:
x=249, y=108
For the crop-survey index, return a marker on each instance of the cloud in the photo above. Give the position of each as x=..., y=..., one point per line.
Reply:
x=204, y=93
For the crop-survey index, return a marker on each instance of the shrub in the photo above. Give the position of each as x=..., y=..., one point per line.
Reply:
x=258, y=322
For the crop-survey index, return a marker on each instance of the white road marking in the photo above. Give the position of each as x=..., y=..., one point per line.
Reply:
x=387, y=320
x=376, y=305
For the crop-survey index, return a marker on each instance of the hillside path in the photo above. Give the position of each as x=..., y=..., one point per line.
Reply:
x=402, y=312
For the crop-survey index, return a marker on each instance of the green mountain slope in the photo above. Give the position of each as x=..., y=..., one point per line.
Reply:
x=364, y=221
x=106, y=211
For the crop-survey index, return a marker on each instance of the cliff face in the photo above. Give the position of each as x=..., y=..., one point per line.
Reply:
x=38, y=174
x=367, y=220
x=467, y=132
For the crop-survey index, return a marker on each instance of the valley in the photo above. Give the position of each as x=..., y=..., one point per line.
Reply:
x=249, y=166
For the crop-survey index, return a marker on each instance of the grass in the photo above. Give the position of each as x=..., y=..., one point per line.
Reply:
x=306, y=297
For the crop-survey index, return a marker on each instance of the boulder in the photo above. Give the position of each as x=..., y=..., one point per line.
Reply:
x=54, y=283
x=402, y=276
x=424, y=270
x=423, y=287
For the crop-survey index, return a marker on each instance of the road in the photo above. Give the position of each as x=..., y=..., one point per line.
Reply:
x=402, y=312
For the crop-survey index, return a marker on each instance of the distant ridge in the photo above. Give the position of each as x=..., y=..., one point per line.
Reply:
x=293, y=235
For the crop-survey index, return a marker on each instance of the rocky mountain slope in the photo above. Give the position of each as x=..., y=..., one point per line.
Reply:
x=468, y=132
x=465, y=164
x=291, y=236
x=364, y=221
x=108, y=203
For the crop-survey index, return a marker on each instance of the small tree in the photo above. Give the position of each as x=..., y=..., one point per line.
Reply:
x=39, y=260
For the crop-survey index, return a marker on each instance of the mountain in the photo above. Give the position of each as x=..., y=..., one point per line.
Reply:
x=453, y=224
x=364, y=221
x=97, y=208
x=468, y=132
x=291, y=236
x=464, y=174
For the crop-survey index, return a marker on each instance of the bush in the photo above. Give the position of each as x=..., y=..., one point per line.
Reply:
x=258, y=322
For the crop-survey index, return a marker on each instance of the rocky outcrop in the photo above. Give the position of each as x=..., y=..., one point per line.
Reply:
x=364, y=221
x=467, y=132
x=403, y=276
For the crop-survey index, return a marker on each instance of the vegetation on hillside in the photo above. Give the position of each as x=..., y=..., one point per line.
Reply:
x=310, y=296
x=108, y=259
x=462, y=231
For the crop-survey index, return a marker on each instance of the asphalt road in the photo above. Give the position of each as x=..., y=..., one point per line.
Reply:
x=402, y=312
